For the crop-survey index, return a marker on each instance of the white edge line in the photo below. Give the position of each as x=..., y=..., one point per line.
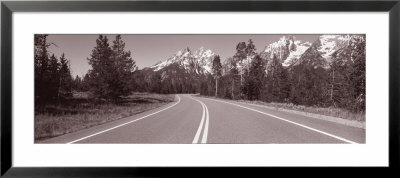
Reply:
x=204, y=140
x=179, y=100
x=196, y=137
x=327, y=119
x=307, y=127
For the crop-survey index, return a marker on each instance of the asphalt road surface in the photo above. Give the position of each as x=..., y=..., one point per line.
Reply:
x=198, y=120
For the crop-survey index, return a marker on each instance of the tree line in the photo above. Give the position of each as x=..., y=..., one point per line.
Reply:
x=109, y=78
x=341, y=85
x=245, y=75
x=52, y=74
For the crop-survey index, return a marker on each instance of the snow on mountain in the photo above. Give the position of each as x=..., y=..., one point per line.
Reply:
x=290, y=51
x=296, y=54
x=328, y=44
x=322, y=51
x=204, y=58
x=311, y=57
x=177, y=58
x=287, y=49
x=280, y=49
x=199, y=61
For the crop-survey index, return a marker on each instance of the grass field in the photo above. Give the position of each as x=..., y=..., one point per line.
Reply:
x=81, y=112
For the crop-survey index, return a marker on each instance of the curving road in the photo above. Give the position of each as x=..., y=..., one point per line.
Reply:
x=197, y=120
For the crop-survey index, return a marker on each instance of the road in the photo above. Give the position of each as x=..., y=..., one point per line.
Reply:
x=198, y=120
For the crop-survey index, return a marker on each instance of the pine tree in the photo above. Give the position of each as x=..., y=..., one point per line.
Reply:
x=274, y=80
x=342, y=76
x=339, y=88
x=48, y=72
x=52, y=79
x=124, y=66
x=240, y=55
x=284, y=85
x=308, y=85
x=216, y=68
x=112, y=68
x=86, y=82
x=250, y=53
x=250, y=49
x=233, y=72
x=255, y=78
x=358, y=75
x=102, y=68
x=65, y=85
x=156, y=83
x=41, y=67
x=77, y=83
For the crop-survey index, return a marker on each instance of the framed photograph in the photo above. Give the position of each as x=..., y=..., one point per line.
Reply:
x=137, y=88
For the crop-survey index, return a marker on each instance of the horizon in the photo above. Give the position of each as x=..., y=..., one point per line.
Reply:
x=77, y=48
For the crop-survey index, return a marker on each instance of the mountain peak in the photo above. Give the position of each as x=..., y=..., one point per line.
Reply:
x=321, y=52
x=328, y=44
x=187, y=49
x=286, y=49
x=199, y=61
x=290, y=51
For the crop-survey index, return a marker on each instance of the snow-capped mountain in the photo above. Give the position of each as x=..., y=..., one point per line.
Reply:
x=286, y=50
x=204, y=58
x=312, y=56
x=290, y=51
x=327, y=46
x=199, y=61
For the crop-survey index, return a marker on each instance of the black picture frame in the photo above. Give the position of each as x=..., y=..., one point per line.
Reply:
x=8, y=7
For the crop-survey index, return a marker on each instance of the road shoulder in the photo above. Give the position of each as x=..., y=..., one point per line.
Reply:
x=353, y=123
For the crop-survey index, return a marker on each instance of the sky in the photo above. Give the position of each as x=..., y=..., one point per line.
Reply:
x=147, y=50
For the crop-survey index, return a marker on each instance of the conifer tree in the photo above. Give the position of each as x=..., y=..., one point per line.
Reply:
x=239, y=56
x=65, y=85
x=250, y=53
x=124, y=66
x=112, y=68
x=76, y=83
x=256, y=78
x=52, y=78
x=233, y=72
x=358, y=75
x=216, y=68
x=102, y=69
x=41, y=66
x=274, y=75
x=250, y=49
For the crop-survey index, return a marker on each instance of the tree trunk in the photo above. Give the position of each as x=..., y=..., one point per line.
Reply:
x=216, y=86
x=59, y=90
x=233, y=84
x=333, y=80
x=241, y=82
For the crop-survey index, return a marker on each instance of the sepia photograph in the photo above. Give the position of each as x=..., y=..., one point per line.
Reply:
x=199, y=89
x=136, y=88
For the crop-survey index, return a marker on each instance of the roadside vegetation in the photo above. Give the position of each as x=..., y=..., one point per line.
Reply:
x=328, y=111
x=81, y=111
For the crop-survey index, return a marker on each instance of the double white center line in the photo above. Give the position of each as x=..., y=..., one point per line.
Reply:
x=204, y=117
